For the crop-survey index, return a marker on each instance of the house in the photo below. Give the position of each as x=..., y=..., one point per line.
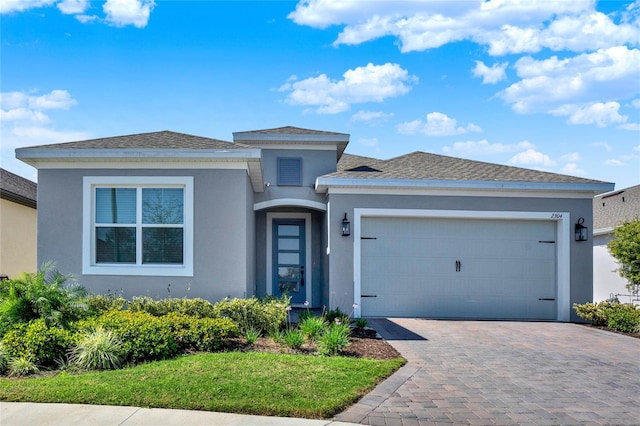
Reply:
x=286, y=210
x=609, y=211
x=17, y=225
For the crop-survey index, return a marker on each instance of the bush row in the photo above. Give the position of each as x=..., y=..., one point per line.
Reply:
x=617, y=316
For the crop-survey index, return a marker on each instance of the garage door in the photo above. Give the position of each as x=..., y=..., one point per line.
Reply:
x=454, y=268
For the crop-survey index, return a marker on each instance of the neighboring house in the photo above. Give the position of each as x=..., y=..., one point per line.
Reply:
x=17, y=225
x=609, y=211
x=428, y=235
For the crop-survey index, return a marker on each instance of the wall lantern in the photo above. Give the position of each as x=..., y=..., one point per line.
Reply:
x=581, y=231
x=346, y=226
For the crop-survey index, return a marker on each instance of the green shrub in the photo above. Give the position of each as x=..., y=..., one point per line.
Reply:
x=99, y=349
x=46, y=294
x=360, y=323
x=144, y=337
x=39, y=342
x=102, y=303
x=251, y=335
x=625, y=319
x=4, y=358
x=336, y=316
x=200, y=334
x=197, y=307
x=334, y=340
x=264, y=315
x=597, y=313
x=312, y=327
x=293, y=339
x=22, y=366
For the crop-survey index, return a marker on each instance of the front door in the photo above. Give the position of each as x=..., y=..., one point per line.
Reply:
x=289, y=259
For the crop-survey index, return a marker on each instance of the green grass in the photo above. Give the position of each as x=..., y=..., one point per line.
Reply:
x=248, y=383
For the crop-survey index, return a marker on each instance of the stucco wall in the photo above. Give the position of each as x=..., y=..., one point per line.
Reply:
x=341, y=268
x=18, y=239
x=221, y=252
x=606, y=281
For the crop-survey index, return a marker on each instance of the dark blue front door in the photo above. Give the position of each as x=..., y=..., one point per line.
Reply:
x=289, y=259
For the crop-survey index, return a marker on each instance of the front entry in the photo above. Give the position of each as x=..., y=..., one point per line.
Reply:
x=289, y=259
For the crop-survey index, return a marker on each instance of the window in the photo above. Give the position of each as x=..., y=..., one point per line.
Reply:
x=138, y=226
x=290, y=171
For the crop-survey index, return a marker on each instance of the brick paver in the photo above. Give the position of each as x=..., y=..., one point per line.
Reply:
x=493, y=372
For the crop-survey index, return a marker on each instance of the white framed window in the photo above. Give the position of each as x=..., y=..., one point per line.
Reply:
x=138, y=225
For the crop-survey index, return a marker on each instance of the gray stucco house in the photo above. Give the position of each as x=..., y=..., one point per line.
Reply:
x=287, y=209
x=610, y=210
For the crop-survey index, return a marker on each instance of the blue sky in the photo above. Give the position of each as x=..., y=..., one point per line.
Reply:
x=549, y=85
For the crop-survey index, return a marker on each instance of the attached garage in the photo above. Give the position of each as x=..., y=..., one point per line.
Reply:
x=442, y=266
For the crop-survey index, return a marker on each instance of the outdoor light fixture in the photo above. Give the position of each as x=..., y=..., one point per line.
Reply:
x=346, y=226
x=581, y=231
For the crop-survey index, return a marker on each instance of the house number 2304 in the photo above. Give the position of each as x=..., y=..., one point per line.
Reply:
x=556, y=215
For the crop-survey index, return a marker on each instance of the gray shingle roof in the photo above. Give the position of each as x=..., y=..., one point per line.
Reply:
x=426, y=166
x=291, y=130
x=154, y=140
x=18, y=189
x=614, y=208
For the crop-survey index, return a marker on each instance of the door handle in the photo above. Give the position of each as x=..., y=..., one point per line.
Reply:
x=458, y=266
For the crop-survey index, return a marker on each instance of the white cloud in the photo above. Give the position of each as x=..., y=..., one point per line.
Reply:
x=636, y=148
x=491, y=75
x=23, y=114
x=437, y=124
x=8, y=6
x=587, y=78
x=572, y=169
x=614, y=163
x=630, y=126
x=371, y=83
x=604, y=145
x=128, y=12
x=482, y=147
x=25, y=106
x=635, y=103
x=370, y=142
x=531, y=157
x=370, y=116
x=72, y=7
x=600, y=114
x=504, y=26
x=571, y=158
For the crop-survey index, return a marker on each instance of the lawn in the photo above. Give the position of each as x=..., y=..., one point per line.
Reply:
x=237, y=382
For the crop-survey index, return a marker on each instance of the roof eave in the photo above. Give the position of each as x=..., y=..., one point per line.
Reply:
x=324, y=183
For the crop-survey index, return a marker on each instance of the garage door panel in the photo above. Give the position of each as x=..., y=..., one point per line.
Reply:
x=410, y=267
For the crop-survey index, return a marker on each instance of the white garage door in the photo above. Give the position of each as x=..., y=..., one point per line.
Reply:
x=454, y=268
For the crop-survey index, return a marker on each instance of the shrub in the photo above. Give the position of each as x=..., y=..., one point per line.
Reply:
x=102, y=303
x=200, y=334
x=251, y=335
x=39, y=342
x=336, y=316
x=22, y=366
x=360, y=323
x=197, y=307
x=264, y=315
x=625, y=320
x=99, y=349
x=312, y=327
x=46, y=294
x=144, y=337
x=293, y=339
x=597, y=313
x=334, y=340
x=4, y=358
x=625, y=248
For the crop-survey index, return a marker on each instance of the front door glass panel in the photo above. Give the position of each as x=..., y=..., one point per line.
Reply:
x=289, y=259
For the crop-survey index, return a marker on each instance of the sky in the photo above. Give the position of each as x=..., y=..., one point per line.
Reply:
x=547, y=85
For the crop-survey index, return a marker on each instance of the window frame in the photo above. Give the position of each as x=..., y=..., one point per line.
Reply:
x=89, y=264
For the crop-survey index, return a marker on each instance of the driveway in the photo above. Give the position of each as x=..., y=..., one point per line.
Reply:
x=494, y=372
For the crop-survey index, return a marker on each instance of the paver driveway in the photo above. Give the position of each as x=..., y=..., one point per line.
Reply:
x=493, y=372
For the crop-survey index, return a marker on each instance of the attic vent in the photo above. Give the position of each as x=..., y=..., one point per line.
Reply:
x=290, y=171
x=363, y=169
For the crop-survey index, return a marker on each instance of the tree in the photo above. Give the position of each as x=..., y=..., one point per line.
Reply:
x=625, y=248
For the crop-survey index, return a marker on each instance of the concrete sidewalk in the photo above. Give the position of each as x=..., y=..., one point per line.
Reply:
x=30, y=414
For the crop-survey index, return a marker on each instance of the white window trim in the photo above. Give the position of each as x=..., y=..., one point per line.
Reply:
x=89, y=267
x=269, y=268
x=563, y=240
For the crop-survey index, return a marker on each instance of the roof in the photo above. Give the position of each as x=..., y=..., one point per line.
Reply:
x=614, y=208
x=154, y=140
x=425, y=169
x=18, y=189
x=291, y=130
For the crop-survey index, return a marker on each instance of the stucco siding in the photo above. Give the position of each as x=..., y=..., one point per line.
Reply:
x=342, y=256
x=220, y=243
x=18, y=238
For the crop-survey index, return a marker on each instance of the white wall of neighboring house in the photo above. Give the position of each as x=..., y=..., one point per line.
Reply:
x=607, y=282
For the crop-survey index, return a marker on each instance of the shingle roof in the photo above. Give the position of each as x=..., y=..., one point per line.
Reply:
x=18, y=189
x=614, y=208
x=426, y=166
x=154, y=140
x=291, y=130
